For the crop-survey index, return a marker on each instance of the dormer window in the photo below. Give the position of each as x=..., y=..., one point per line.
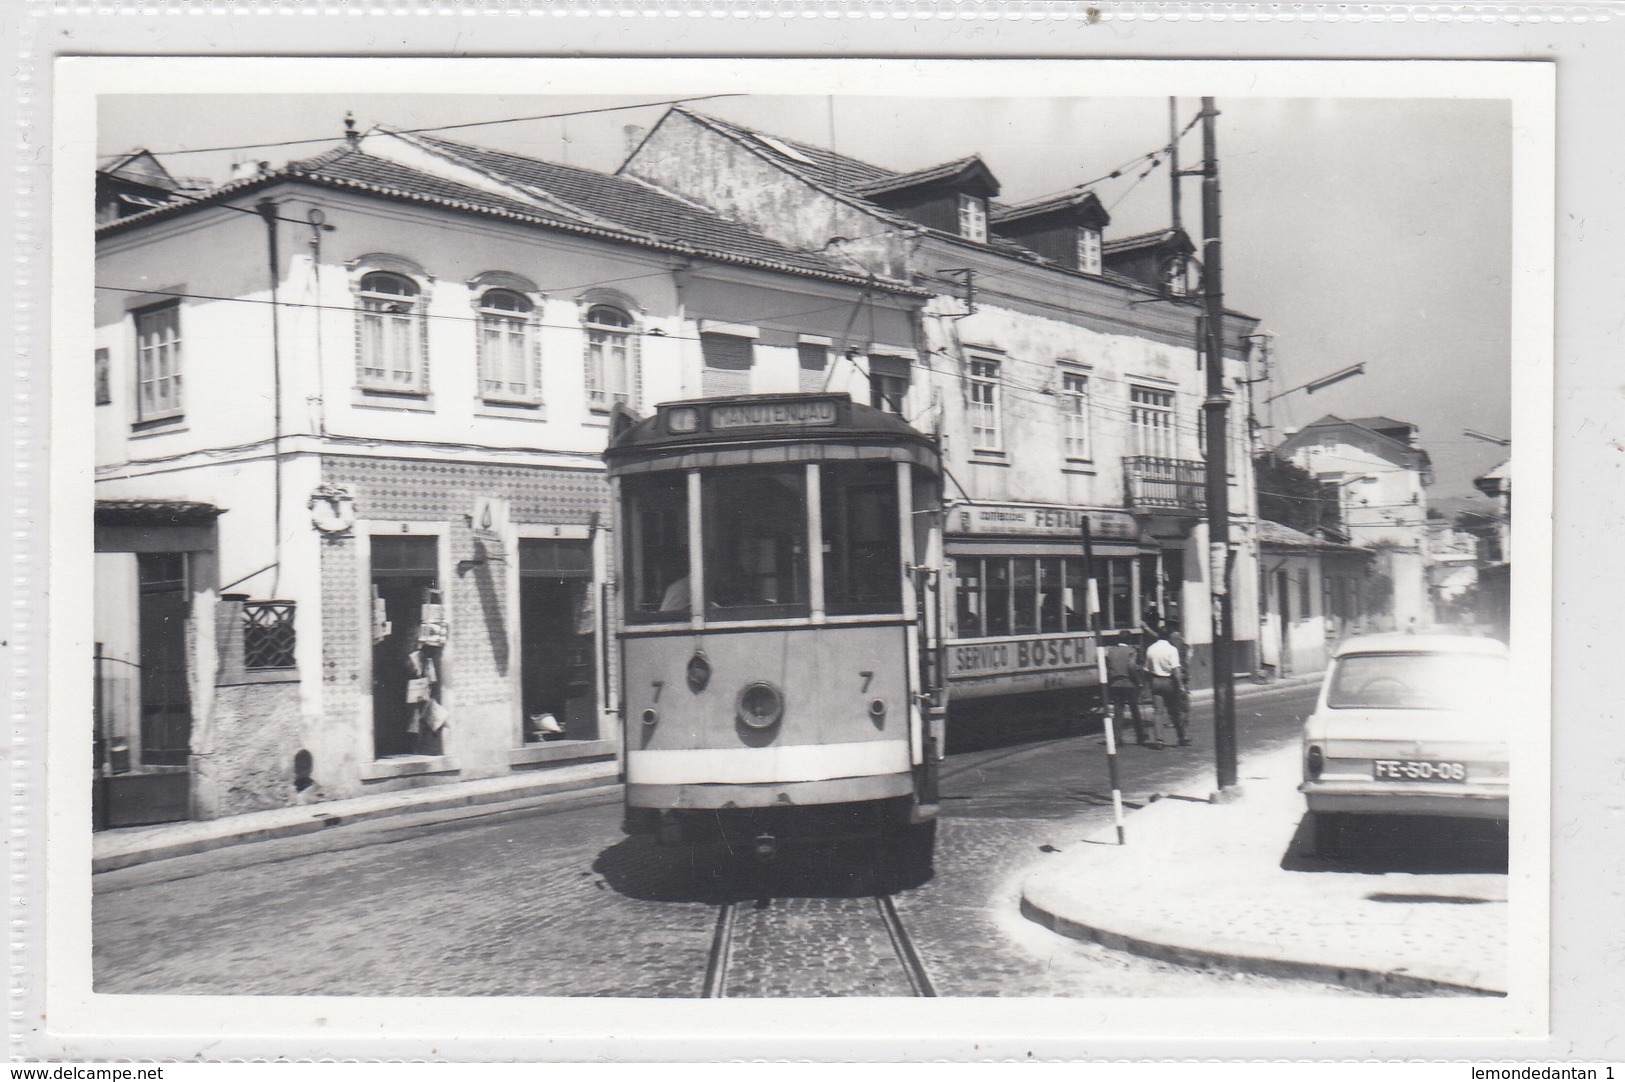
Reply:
x=973, y=218
x=1088, y=250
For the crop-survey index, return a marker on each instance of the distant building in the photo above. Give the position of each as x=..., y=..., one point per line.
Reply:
x=1452, y=565
x=1381, y=475
x=1059, y=366
x=1312, y=595
x=1495, y=550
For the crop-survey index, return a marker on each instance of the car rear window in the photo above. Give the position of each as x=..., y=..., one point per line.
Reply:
x=1420, y=681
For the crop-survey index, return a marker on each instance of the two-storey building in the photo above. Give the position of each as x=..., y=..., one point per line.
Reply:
x=352, y=526
x=1059, y=366
x=1381, y=475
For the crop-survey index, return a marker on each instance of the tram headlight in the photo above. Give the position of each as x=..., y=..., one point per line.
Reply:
x=650, y=717
x=761, y=705
x=877, y=708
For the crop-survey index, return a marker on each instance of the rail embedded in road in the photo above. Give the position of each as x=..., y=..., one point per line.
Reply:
x=867, y=949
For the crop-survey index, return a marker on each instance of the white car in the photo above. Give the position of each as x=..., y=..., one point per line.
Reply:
x=1407, y=725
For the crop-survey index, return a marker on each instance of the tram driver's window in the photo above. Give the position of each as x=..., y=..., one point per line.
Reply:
x=755, y=542
x=657, y=546
x=862, y=560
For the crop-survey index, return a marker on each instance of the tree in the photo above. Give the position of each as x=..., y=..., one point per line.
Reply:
x=1292, y=496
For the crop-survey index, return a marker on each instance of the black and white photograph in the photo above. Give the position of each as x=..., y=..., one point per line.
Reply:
x=834, y=531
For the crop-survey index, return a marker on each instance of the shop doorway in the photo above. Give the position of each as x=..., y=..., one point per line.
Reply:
x=166, y=698
x=405, y=672
x=558, y=641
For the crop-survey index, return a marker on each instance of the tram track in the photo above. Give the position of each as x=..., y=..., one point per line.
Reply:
x=865, y=948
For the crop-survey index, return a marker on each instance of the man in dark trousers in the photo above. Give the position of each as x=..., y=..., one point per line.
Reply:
x=1123, y=685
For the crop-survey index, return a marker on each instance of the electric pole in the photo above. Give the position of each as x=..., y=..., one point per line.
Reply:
x=1216, y=409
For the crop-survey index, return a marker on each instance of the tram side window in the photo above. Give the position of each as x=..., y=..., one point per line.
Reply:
x=998, y=597
x=1077, y=597
x=1025, y=596
x=657, y=546
x=1051, y=596
x=755, y=523
x=968, y=572
x=862, y=559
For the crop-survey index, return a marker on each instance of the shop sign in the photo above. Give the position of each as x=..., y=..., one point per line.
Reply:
x=1027, y=520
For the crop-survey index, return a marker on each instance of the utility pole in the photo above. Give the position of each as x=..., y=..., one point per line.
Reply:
x=1174, y=174
x=1216, y=409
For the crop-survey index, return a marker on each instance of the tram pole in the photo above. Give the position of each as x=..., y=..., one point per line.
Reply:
x=1090, y=606
x=1216, y=408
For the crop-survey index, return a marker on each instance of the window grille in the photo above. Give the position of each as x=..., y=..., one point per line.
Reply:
x=268, y=634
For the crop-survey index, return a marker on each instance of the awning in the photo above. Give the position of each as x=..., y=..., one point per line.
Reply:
x=156, y=513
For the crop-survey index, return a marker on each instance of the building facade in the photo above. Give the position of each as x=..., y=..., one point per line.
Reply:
x=352, y=528
x=1381, y=475
x=1311, y=594
x=1059, y=367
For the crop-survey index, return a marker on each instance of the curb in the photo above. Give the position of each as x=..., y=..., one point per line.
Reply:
x=323, y=817
x=1139, y=941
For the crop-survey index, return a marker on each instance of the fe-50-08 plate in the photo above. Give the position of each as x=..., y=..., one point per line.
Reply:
x=1417, y=770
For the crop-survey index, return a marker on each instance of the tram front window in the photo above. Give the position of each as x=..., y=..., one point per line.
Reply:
x=755, y=523
x=862, y=560
x=656, y=546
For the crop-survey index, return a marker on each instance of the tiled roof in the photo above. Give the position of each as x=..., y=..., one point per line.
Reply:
x=616, y=208
x=635, y=206
x=1380, y=422
x=1077, y=197
x=929, y=175
x=1274, y=533
x=156, y=513
x=1152, y=239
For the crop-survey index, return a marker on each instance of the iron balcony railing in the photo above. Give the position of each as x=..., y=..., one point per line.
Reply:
x=1175, y=485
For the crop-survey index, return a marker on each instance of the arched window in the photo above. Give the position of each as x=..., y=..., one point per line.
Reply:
x=507, y=347
x=612, y=358
x=390, y=349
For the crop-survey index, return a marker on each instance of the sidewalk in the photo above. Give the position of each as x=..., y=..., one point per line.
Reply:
x=127, y=846
x=1233, y=886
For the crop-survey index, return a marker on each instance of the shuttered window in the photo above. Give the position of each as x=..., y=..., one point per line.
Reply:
x=727, y=364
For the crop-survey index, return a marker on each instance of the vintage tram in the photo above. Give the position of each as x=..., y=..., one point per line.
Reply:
x=781, y=620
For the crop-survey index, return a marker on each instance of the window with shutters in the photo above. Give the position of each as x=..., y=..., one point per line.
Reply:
x=1074, y=403
x=391, y=350
x=728, y=360
x=158, y=362
x=509, y=365
x=1152, y=418
x=612, y=358
x=888, y=384
x=984, y=405
x=812, y=359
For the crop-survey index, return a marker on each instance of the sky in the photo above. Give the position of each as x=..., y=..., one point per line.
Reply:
x=1358, y=230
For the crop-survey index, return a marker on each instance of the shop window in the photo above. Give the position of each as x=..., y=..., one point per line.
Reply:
x=1077, y=596
x=657, y=582
x=755, y=525
x=862, y=558
x=1051, y=596
x=1024, y=596
x=998, y=596
x=613, y=373
x=158, y=362
x=968, y=622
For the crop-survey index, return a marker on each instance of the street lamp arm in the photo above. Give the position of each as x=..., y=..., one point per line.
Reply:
x=1322, y=382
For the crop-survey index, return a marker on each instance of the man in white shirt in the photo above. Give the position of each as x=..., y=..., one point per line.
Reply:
x=1162, y=662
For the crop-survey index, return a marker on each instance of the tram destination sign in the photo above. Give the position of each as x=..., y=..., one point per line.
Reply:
x=779, y=413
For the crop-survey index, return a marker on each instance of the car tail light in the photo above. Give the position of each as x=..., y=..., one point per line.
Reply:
x=1315, y=762
x=761, y=705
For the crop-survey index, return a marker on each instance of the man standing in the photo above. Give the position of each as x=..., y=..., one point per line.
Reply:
x=1123, y=686
x=1162, y=661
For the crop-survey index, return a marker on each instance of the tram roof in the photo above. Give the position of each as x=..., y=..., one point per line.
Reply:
x=757, y=420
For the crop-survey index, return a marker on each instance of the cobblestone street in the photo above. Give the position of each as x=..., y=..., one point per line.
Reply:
x=560, y=903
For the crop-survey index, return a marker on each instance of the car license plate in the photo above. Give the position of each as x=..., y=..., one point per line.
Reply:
x=1417, y=770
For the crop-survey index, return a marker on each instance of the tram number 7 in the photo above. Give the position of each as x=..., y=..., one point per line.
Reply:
x=868, y=676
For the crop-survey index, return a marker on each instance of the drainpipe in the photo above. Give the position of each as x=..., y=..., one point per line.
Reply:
x=268, y=210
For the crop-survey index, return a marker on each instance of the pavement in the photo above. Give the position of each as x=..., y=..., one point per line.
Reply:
x=127, y=846
x=1233, y=885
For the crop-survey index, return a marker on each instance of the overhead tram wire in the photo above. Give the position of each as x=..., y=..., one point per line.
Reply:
x=451, y=127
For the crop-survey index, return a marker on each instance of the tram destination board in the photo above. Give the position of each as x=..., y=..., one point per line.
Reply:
x=782, y=413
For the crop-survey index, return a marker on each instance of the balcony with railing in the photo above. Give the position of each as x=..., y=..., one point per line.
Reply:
x=1166, y=486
